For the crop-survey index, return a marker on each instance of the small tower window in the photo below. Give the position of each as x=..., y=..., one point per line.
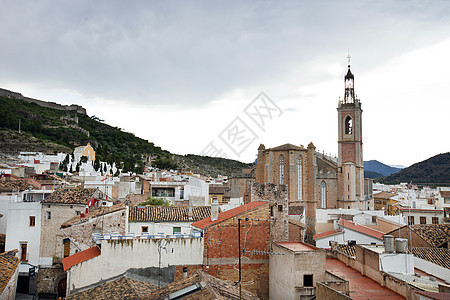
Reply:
x=348, y=125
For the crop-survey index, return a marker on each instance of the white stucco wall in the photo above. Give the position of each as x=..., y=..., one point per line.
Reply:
x=159, y=227
x=397, y=263
x=18, y=230
x=117, y=256
x=325, y=241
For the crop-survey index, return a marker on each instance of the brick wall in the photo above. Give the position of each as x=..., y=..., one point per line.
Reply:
x=221, y=252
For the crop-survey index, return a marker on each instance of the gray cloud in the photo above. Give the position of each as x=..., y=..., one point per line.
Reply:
x=191, y=52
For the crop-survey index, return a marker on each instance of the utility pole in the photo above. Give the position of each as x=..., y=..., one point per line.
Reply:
x=240, y=270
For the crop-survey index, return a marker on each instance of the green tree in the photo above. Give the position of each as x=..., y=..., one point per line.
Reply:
x=156, y=201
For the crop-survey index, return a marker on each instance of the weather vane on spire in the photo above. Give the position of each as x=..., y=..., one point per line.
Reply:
x=348, y=57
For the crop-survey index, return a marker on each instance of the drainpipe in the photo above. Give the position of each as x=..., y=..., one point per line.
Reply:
x=69, y=238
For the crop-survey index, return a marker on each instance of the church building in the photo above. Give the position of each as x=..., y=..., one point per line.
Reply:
x=315, y=180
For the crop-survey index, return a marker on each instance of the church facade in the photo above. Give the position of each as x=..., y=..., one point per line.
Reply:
x=315, y=180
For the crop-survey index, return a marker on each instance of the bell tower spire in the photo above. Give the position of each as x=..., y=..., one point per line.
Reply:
x=350, y=162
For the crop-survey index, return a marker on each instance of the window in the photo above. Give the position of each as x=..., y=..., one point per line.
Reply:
x=271, y=211
x=300, y=178
x=410, y=220
x=435, y=220
x=48, y=215
x=23, y=252
x=280, y=207
x=66, y=247
x=176, y=230
x=307, y=280
x=144, y=229
x=78, y=212
x=423, y=220
x=181, y=193
x=281, y=169
x=32, y=221
x=348, y=125
x=447, y=200
x=323, y=194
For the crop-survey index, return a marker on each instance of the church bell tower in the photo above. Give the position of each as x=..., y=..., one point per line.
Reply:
x=350, y=152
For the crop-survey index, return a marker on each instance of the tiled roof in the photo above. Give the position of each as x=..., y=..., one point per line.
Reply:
x=9, y=185
x=434, y=234
x=70, y=261
x=202, y=224
x=77, y=195
x=346, y=249
x=438, y=256
x=93, y=213
x=434, y=296
x=8, y=265
x=151, y=213
x=212, y=286
x=384, y=195
x=286, y=147
x=325, y=234
x=362, y=229
x=118, y=289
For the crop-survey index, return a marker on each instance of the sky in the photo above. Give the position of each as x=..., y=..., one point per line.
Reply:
x=221, y=77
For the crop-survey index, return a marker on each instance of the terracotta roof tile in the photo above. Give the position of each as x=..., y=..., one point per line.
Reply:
x=297, y=223
x=438, y=256
x=362, y=229
x=152, y=213
x=433, y=234
x=93, y=213
x=8, y=265
x=202, y=224
x=118, y=289
x=325, y=234
x=77, y=195
x=80, y=257
x=9, y=185
x=214, y=286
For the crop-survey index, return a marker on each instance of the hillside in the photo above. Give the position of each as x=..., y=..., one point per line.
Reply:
x=435, y=170
x=54, y=128
x=372, y=174
x=380, y=168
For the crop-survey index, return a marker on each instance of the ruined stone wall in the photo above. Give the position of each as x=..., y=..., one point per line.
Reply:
x=81, y=234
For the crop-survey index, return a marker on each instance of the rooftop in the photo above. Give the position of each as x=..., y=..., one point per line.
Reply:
x=93, y=213
x=202, y=224
x=77, y=195
x=361, y=287
x=297, y=246
x=326, y=234
x=384, y=195
x=10, y=185
x=8, y=265
x=286, y=147
x=435, y=235
x=362, y=229
x=151, y=213
x=121, y=288
x=438, y=256
x=70, y=261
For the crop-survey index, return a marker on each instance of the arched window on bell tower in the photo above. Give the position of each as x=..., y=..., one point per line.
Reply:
x=323, y=195
x=281, y=169
x=300, y=178
x=348, y=125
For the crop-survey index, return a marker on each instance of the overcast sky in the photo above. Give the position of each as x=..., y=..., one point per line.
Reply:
x=183, y=74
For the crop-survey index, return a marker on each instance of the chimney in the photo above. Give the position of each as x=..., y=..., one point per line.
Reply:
x=214, y=210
